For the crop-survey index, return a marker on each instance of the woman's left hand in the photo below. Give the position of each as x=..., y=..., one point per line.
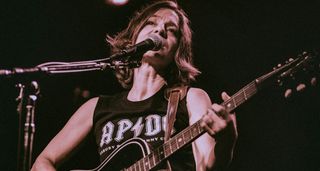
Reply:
x=217, y=118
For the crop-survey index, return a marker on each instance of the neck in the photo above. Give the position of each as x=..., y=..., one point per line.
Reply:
x=146, y=82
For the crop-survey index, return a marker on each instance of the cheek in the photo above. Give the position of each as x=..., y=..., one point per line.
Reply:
x=142, y=35
x=173, y=48
x=140, y=38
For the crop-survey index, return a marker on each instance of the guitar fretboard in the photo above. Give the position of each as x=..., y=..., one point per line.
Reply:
x=190, y=133
x=241, y=96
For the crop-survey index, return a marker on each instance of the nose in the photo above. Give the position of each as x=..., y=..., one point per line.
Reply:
x=160, y=29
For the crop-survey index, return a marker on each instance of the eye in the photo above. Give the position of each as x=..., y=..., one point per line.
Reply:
x=149, y=22
x=173, y=30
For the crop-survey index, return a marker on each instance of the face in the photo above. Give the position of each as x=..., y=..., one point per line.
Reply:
x=165, y=24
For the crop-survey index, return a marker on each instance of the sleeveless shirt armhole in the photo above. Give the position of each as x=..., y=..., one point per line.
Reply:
x=183, y=102
x=102, y=100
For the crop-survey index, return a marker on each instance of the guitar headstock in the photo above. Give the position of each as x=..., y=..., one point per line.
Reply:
x=299, y=73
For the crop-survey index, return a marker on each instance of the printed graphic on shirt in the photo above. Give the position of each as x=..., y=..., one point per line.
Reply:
x=150, y=128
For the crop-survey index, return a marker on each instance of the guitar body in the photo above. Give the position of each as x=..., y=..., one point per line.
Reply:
x=123, y=156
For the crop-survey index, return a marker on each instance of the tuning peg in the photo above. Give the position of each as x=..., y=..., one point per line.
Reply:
x=313, y=81
x=289, y=60
x=276, y=67
x=288, y=93
x=300, y=87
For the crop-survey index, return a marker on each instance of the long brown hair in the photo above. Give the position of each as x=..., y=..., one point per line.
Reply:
x=182, y=70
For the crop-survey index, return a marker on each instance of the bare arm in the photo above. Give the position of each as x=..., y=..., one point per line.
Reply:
x=213, y=149
x=76, y=129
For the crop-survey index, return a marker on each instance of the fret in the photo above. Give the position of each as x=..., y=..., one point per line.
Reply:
x=179, y=140
x=187, y=135
x=136, y=167
x=251, y=89
x=141, y=166
x=158, y=155
x=146, y=163
x=170, y=146
x=199, y=128
x=151, y=162
x=191, y=131
x=234, y=102
x=194, y=131
x=228, y=105
x=244, y=93
x=156, y=158
x=131, y=168
x=239, y=98
x=174, y=145
x=166, y=149
x=183, y=140
x=161, y=153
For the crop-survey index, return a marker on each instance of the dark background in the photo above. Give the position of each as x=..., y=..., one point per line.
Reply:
x=234, y=42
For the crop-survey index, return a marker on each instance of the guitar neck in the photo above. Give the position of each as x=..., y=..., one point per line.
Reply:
x=241, y=96
x=190, y=133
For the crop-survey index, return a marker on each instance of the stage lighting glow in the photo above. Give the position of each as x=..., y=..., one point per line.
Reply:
x=117, y=2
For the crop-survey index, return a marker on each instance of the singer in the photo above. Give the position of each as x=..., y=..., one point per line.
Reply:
x=137, y=116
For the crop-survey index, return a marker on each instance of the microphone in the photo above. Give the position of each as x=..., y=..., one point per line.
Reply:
x=153, y=42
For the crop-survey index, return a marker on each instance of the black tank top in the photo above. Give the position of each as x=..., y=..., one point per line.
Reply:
x=118, y=121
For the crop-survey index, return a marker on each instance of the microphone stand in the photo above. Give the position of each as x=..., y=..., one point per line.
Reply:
x=29, y=130
x=114, y=62
x=19, y=99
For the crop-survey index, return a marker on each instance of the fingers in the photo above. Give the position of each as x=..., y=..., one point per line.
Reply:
x=216, y=118
x=207, y=123
x=225, y=96
x=212, y=122
x=219, y=110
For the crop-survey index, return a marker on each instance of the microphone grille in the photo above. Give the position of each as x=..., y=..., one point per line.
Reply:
x=157, y=41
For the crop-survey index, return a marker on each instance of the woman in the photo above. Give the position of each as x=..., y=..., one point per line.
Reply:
x=140, y=112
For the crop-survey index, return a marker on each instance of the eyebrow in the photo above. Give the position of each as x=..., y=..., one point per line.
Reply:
x=171, y=23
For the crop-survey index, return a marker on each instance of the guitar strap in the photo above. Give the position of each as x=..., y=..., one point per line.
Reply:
x=173, y=95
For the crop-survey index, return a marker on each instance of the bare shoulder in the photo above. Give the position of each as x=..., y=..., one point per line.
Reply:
x=198, y=102
x=86, y=110
x=90, y=104
x=197, y=93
